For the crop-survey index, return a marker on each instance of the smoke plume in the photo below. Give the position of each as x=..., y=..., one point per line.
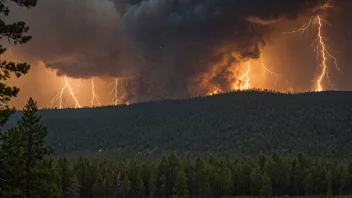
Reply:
x=164, y=48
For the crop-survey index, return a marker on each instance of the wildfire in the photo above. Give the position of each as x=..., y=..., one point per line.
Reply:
x=59, y=96
x=211, y=93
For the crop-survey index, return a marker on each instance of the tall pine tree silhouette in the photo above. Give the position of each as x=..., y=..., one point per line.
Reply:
x=24, y=152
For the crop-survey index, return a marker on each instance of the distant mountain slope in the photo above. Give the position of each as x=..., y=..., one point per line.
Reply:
x=235, y=124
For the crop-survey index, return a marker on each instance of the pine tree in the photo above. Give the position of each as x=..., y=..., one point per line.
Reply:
x=98, y=187
x=23, y=150
x=329, y=193
x=72, y=190
x=180, y=188
x=266, y=189
x=66, y=174
x=140, y=187
x=15, y=34
x=11, y=153
x=153, y=182
x=256, y=182
x=126, y=186
x=119, y=185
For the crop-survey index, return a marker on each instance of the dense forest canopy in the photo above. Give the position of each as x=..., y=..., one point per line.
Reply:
x=232, y=124
x=193, y=176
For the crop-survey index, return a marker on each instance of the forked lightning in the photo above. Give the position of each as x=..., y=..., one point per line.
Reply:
x=323, y=54
x=71, y=93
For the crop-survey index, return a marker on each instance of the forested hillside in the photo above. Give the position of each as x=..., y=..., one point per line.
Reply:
x=234, y=124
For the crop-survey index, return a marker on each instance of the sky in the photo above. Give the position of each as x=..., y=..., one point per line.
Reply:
x=143, y=50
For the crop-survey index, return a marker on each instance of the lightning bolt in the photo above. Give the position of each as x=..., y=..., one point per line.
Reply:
x=323, y=55
x=59, y=96
x=114, y=92
x=266, y=70
x=246, y=76
x=94, y=96
x=244, y=80
x=303, y=29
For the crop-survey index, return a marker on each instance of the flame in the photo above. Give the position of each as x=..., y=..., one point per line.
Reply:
x=211, y=93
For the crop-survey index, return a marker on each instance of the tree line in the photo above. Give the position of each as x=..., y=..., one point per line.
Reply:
x=273, y=175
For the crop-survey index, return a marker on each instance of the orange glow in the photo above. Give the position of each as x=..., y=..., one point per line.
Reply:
x=244, y=80
x=212, y=93
x=114, y=92
x=324, y=71
x=246, y=76
x=266, y=70
x=303, y=29
x=323, y=54
x=94, y=96
x=59, y=96
x=240, y=73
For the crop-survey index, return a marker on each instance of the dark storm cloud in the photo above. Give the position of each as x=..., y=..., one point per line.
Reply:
x=166, y=46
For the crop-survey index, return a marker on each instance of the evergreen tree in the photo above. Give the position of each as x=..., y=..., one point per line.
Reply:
x=72, y=190
x=23, y=150
x=11, y=153
x=66, y=173
x=14, y=33
x=153, y=182
x=266, y=189
x=181, y=188
x=256, y=182
x=329, y=193
x=145, y=175
x=98, y=187
x=126, y=186
x=140, y=187
x=86, y=172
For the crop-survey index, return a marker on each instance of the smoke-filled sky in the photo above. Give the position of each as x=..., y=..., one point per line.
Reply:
x=176, y=48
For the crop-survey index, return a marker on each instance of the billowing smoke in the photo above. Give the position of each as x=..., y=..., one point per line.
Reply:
x=165, y=48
